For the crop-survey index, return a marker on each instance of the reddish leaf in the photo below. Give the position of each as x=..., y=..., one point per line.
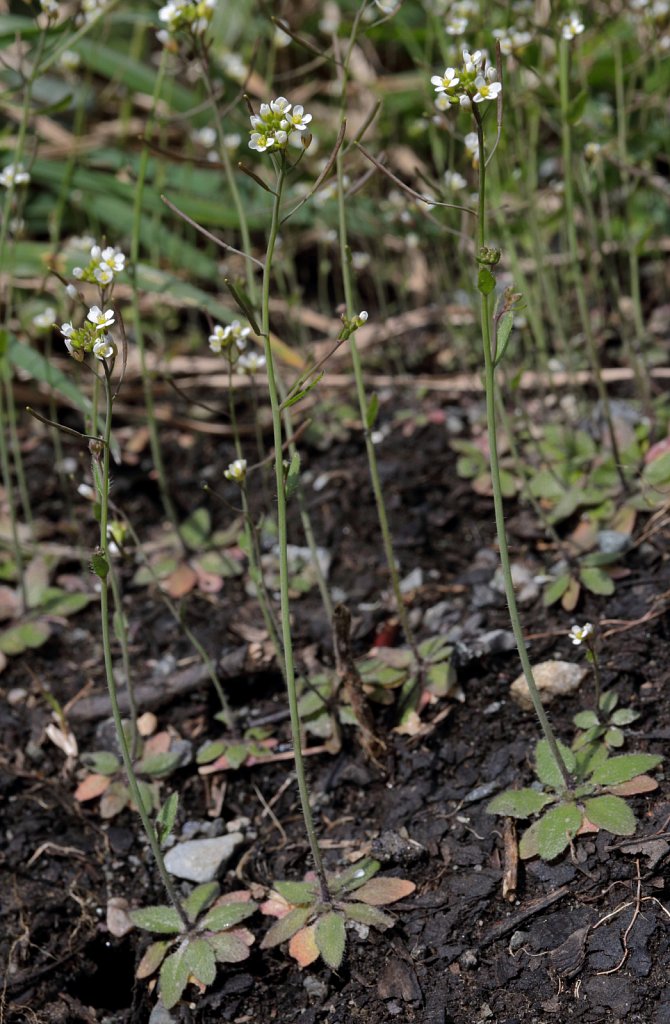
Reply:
x=303, y=947
x=91, y=786
x=276, y=906
x=180, y=582
x=380, y=891
x=158, y=744
x=571, y=596
x=640, y=784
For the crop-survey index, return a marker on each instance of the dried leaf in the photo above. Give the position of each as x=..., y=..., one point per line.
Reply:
x=90, y=787
x=640, y=784
x=180, y=582
x=152, y=959
x=378, y=892
x=303, y=947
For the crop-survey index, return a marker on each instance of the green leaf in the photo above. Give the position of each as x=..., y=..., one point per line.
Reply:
x=554, y=591
x=227, y=915
x=355, y=876
x=608, y=701
x=59, y=602
x=286, y=927
x=243, y=301
x=624, y=767
x=28, y=635
x=162, y=919
x=28, y=359
x=614, y=737
x=210, y=751
x=624, y=716
x=372, y=411
x=200, y=898
x=597, y=581
x=100, y=566
x=330, y=937
x=298, y=893
x=174, y=977
x=152, y=959
x=528, y=844
x=228, y=947
x=588, y=759
x=486, y=282
x=12, y=25
x=547, y=769
x=556, y=828
x=577, y=106
x=657, y=472
x=196, y=529
x=167, y=816
x=611, y=813
x=299, y=395
x=158, y=765
x=103, y=762
x=586, y=720
x=366, y=914
x=293, y=476
x=201, y=961
x=503, y=333
x=519, y=803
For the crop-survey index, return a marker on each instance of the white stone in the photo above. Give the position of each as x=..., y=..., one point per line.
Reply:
x=552, y=678
x=200, y=860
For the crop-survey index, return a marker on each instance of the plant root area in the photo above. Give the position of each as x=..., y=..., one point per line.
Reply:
x=584, y=938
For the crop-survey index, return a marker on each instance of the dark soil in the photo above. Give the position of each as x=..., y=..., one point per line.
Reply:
x=585, y=938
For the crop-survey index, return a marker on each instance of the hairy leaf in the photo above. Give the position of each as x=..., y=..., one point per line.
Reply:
x=102, y=761
x=303, y=947
x=201, y=961
x=366, y=914
x=162, y=919
x=200, y=898
x=286, y=927
x=330, y=938
x=611, y=813
x=556, y=828
x=380, y=891
x=519, y=803
x=167, y=816
x=152, y=959
x=227, y=915
x=355, y=876
x=228, y=947
x=624, y=767
x=298, y=893
x=174, y=977
x=546, y=767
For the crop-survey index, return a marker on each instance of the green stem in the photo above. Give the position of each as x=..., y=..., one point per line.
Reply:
x=498, y=505
x=296, y=731
x=147, y=389
x=109, y=671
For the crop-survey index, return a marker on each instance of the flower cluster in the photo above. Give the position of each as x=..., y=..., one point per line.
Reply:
x=351, y=324
x=193, y=15
x=103, y=266
x=571, y=26
x=230, y=340
x=44, y=320
x=512, y=40
x=459, y=17
x=275, y=122
x=578, y=634
x=14, y=174
x=474, y=82
x=236, y=471
x=92, y=336
x=50, y=8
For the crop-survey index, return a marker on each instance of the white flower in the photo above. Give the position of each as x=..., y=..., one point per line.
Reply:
x=279, y=106
x=14, y=174
x=472, y=62
x=104, y=348
x=261, y=142
x=592, y=150
x=217, y=338
x=571, y=26
x=330, y=18
x=234, y=66
x=281, y=38
x=71, y=291
x=449, y=80
x=299, y=119
x=50, y=7
x=578, y=634
x=69, y=60
x=465, y=101
x=112, y=259
x=99, y=318
x=456, y=26
x=45, y=318
x=102, y=276
x=236, y=471
x=361, y=318
x=442, y=101
x=67, y=330
x=486, y=90
x=388, y=6
x=252, y=362
x=454, y=181
x=360, y=260
x=204, y=136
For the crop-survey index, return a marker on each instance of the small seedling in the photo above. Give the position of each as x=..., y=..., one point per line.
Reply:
x=594, y=800
x=191, y=953
x=255, y=745
x=603, y=725
x=107, y=779
x=419, y=683
x=315, y=927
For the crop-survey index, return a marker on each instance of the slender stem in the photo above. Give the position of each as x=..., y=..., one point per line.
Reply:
x=135, y=792
x=147, y=389
x=296, y=731
x=490, y=388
